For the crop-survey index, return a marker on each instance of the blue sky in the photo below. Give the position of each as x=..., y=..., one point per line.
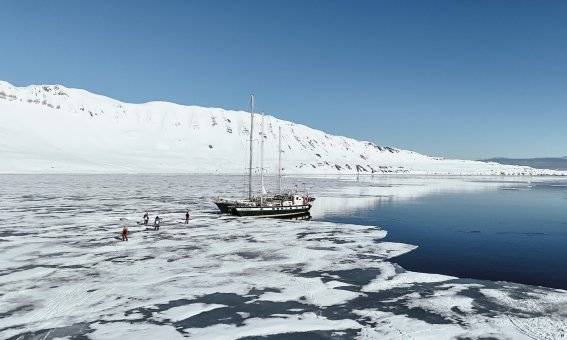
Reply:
x=460, y=79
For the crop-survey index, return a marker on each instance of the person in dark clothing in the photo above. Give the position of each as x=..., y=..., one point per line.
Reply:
x=156, y=223
x=124, y=233
x=187, y=218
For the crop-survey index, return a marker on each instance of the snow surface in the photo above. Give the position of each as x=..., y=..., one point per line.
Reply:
x=54, y=129
x=64, y=271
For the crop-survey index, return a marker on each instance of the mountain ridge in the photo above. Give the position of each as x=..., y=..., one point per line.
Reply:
x=52, y=128
x=553, y=163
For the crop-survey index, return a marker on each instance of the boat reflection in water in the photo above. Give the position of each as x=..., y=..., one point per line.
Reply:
x=302, y=217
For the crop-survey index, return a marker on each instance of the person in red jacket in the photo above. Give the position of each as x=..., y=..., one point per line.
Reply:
x=124, y=233
x=146, y=218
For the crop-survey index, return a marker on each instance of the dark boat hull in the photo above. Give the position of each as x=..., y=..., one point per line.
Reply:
x=271, y=211
x=225, y=207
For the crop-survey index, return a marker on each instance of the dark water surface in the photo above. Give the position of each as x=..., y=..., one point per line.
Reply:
x=516, y=232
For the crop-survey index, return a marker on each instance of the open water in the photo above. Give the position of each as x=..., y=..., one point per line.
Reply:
x=497, y=229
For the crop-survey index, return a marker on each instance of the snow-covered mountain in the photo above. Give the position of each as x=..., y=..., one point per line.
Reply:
x=51, y=128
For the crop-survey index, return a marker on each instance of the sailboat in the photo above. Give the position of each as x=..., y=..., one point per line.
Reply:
x=226, y=205
x=278, y=205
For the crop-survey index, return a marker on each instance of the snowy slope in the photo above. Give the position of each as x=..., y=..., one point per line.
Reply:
x=52, y=128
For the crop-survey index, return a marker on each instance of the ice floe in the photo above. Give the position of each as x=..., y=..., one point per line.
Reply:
x=64, y=272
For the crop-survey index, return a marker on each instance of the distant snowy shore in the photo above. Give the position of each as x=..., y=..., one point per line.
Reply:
x=54, y=129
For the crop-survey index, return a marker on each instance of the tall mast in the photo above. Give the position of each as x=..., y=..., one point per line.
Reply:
x=280, y=161
x=251, y=136
x=262, y=162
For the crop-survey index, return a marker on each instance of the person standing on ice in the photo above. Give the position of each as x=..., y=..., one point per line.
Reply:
x=187, y=218
x=146, y=218
x=124, y=233
x=156, y=223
